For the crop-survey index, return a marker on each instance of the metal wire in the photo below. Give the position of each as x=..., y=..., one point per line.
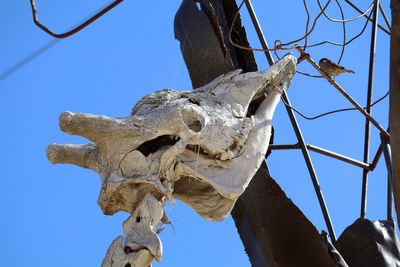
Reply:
x=344, y=31
x=348, y=42
x=279, y=45
x=343, y=45
x=307, y=23
x=76, y=29
x=332, y=111
x=38, y=52
x=365, y=16
x=343, y=92
x=310, y=31
x=343, y=19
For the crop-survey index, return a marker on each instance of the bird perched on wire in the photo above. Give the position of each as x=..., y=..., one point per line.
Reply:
x=331, y=68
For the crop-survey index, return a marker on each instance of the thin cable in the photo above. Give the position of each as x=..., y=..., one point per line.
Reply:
x=76, y=29
x=307, y=23
x=348, y=42
x=332, y=111
x=278, y=45
x=368, y=18
x=343, y=45
x=308, y=74
x=344, y=31
x=312, y=27
x=38, y=52
x=28, y=59
x=343, y=19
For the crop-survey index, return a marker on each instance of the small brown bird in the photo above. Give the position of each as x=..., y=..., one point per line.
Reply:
x=331, y=68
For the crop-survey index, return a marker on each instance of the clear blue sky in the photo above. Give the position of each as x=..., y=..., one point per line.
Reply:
x=49, y=214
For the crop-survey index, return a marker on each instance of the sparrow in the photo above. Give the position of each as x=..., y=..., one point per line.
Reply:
x=331, y=68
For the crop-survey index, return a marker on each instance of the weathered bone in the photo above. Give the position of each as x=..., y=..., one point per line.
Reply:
x=141, y=243
x=199, y=146
x=116, y=256
x=80, y=155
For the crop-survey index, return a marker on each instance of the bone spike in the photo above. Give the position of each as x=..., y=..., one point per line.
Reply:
x=81, y=155
x=94, y=127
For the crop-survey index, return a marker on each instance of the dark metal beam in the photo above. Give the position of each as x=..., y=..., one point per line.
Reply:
x=394, y=101
x=297, y=130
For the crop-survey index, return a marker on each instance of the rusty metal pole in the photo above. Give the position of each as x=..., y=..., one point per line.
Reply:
x=394, y=108
x=389, y=166
x=297, y=130
x=368, y=110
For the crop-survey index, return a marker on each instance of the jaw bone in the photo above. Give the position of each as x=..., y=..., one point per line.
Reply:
x=198, y=146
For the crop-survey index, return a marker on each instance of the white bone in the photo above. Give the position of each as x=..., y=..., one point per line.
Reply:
x=140, y=243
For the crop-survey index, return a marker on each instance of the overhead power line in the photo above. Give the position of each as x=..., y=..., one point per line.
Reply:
x=28, y=59
x=41, y=50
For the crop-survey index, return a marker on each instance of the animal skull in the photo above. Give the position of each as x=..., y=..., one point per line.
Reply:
x=198, y=146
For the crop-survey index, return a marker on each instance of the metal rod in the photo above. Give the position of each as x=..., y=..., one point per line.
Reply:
x=389, y=209
x=388, y=159
x=297, y=130
x=342, y=91
x=259, y=31
x=331, y=154
x=369, y=109
x=376, y=158
x=283, y=147
x=361, y=12
x=311, y=169
x=385, y=17
x=324, y=152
